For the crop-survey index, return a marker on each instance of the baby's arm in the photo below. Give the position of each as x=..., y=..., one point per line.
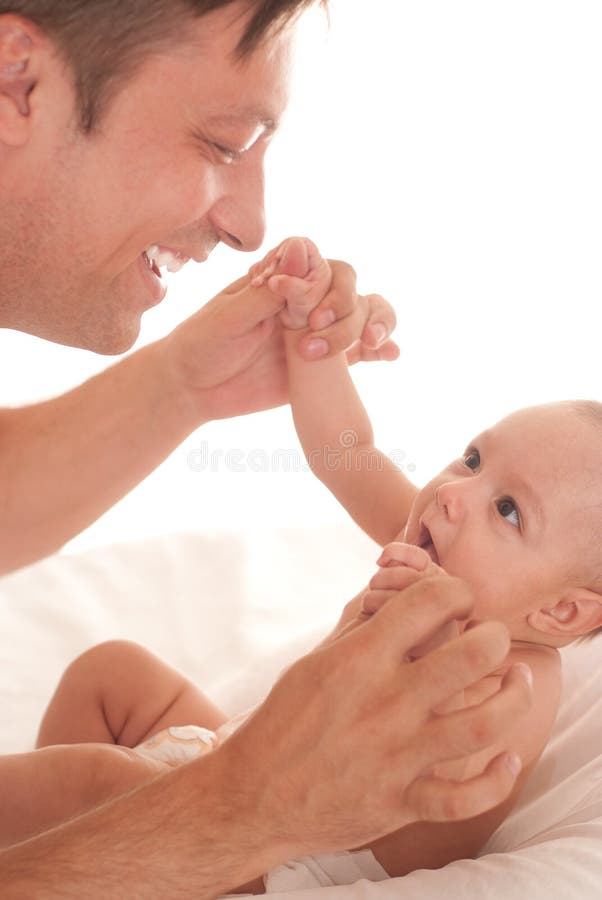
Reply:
x=332, y=424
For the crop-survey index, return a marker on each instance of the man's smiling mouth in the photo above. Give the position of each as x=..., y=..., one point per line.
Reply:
x=155, y=257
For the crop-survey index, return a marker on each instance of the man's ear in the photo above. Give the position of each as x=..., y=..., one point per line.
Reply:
x=18, y=39
x=578, y=612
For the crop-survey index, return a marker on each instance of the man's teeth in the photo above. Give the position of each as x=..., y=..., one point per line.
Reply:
x=173, y=261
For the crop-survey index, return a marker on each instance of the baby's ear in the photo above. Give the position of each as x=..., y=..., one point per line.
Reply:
x=578, y=612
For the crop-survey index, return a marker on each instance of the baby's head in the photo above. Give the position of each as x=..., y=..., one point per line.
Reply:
x=519, y=517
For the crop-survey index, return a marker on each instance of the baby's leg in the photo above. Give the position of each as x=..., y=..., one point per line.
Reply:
x=50, y=785
x=297, y=272
x=120, y=693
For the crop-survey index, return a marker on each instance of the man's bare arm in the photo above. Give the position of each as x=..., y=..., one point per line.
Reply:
x=66, y=461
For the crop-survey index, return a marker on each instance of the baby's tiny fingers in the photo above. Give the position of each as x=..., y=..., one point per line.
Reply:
x=398, y=553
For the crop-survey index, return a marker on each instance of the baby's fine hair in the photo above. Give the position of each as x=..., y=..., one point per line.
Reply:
x=591, y=410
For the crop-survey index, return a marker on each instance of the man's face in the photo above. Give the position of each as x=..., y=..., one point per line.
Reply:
x=175, y=163
x=516, y=515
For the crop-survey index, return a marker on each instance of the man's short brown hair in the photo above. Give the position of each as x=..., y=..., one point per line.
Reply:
x=103, y=41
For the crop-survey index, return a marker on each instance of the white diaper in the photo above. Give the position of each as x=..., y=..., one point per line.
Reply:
x=324, y=871
x=179, y=744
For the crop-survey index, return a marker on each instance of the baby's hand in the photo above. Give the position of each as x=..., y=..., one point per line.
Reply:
x=401, y=565
x=295, y=271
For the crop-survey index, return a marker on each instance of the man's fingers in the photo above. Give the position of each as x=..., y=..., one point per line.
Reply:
x=380, y=321
x=342, y=297
x=472, y=656
x=475, y=728
x=342, y=335
x=394, y=579
x=373, y=601
x=240, y=307
x=439, y=800
x=359, y=352
x=421, y=610
x=336, y=337
x=370, y=319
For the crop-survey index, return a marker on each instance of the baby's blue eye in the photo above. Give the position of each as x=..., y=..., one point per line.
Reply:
x=508, y=510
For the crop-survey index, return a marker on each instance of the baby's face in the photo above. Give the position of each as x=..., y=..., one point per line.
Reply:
x=518, y=515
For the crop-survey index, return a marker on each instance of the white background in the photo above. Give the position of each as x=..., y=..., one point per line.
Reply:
x=452, y=152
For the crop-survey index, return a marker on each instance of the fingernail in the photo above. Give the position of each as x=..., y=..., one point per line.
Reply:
x=316, y=348
x=379, y=331
x=325, y=318
x=514, y=763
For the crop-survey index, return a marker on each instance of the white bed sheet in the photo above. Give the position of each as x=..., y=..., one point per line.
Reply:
x=231, y=609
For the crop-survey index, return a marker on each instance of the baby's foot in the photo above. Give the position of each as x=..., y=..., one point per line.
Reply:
x=296, y=271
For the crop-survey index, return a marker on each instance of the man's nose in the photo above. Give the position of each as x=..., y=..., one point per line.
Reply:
x=239, y=215
x=451, y=498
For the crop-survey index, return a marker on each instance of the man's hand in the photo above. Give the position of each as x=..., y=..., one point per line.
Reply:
x=229, y=357
x=354, y=759
x=400, y=566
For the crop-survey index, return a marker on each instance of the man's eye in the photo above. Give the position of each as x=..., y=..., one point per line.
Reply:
x=508, y=510
x=228, y=155
x=472, y=459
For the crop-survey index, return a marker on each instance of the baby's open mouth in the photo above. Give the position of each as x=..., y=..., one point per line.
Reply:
x=425, y=542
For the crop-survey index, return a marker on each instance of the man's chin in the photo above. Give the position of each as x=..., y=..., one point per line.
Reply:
x=111, y=344
x=106, y=339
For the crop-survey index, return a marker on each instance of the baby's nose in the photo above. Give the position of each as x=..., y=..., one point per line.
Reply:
x=449, y=499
